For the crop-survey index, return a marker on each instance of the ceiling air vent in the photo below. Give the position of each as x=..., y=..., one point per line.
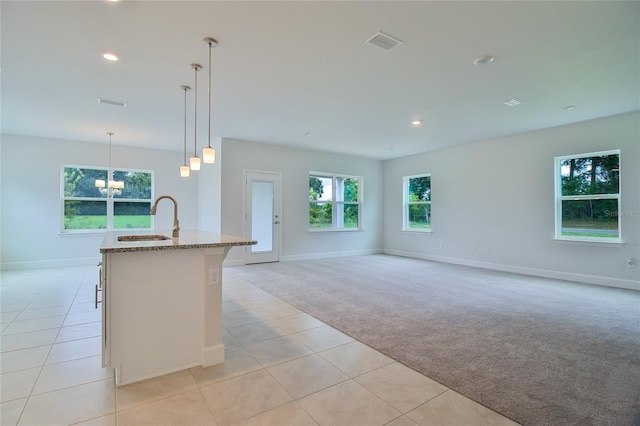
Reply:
x=513, y=102
x=383, y=41
x=112, y=102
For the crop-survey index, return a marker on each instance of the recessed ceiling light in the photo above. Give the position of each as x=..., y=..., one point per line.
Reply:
x=513, y=102
x=416, y=122
x=307, y=133
x=570, y=107
x=483, y=60
x=110, y=55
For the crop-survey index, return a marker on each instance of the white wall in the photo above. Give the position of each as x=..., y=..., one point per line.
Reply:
x=295, y=165
x=209, y=195
x=498, y=197
x=30, y=206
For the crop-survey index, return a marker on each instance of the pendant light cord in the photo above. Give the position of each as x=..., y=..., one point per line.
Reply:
x=195, y=115
x=110, y=134
x=209, y=131
x=184, y=152
x=110, y=177
x=109, y=172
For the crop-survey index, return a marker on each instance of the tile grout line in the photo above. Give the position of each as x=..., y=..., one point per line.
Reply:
x=41, y=368
x=49, y=353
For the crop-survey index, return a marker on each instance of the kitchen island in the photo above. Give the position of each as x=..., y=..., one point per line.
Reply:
x=162, y=301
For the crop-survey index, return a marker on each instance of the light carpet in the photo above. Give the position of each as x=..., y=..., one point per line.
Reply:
x=539, y=351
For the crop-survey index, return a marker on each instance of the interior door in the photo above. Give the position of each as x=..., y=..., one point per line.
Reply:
x=262, y=216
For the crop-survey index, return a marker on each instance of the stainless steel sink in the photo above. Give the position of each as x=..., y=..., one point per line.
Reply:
x=156, y=237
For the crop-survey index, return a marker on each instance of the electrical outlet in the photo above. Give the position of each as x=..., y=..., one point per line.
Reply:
x=214, y=276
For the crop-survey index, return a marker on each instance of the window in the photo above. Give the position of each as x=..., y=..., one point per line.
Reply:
x=86, y=207
x=588, y=196
x=334, y=202
x=417, y=203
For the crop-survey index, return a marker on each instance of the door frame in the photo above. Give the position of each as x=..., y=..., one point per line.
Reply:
x=277, y=210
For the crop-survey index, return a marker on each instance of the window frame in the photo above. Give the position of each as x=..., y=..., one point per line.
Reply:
x=559, y=198
x=336, y=203
x=109, y=200
x=406, y=204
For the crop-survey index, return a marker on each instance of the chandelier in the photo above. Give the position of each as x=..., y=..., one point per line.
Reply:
x=112, y=187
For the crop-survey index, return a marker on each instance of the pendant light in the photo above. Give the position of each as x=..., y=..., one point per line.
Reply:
x=113, y=187
x=208, y=153
x=194, y=162
x=184, y=169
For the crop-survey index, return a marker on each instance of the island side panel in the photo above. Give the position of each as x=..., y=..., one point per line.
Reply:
x=212, y=346
x=155, y=312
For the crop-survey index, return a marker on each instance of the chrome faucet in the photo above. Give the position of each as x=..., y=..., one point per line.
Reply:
x=176, y=227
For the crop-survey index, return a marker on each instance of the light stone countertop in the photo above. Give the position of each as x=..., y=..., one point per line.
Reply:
x=188, y=239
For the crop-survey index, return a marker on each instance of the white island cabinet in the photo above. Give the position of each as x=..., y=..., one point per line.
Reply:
x=162, y=302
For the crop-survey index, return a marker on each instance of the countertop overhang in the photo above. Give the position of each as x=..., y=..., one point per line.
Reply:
x=188, y=239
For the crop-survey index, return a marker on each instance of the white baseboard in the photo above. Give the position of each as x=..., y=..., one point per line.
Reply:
x=234, y=262
x=545, y=273
x=213, y=355
x=120, y=382
x=41, y=264
x=569, y=276
x=312, y=256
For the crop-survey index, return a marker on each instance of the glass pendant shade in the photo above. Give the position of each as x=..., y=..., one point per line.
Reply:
x=100, y=183
x=184, y=171
x=209, y=155
x=194, y=163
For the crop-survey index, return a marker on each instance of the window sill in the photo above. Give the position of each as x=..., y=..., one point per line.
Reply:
x=588, y=242
x=91, y=233
x=321, y=231
x=97, y=232
x=416, y=231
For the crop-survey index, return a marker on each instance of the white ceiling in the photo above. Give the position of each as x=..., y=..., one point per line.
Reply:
x=283, y=69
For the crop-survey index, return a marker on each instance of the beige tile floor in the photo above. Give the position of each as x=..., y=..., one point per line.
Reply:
x=282, y=367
